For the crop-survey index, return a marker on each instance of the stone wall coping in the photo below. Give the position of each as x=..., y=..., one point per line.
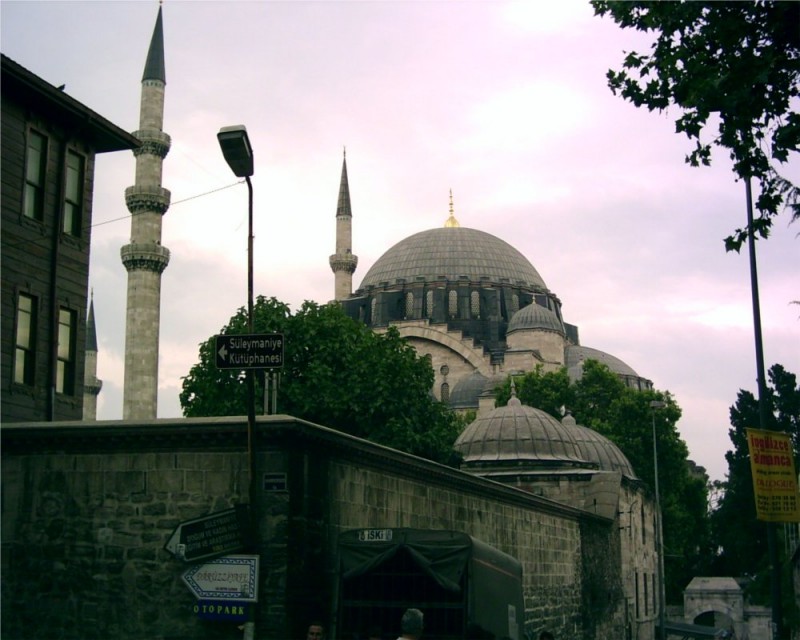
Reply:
x=229, y=433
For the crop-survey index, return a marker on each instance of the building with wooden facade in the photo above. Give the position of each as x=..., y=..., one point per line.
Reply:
x=49, y=144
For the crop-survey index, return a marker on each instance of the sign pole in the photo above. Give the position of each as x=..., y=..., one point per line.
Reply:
x=250, y=625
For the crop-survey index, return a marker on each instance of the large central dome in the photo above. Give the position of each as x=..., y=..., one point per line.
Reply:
x=452, y=253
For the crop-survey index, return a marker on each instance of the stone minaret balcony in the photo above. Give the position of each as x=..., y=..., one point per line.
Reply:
x=154, y=142
x=145, y=257
x=143, y=198
x=346, y=262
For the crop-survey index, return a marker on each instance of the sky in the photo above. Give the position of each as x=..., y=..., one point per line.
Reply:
x=505, y=103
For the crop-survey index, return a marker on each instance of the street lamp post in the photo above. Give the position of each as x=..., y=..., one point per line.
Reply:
x=662, y=633
x=238, y=153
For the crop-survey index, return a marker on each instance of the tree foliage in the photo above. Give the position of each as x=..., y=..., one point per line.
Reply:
x=736, y=61
x=739, y=537
x=337, y=373
x=601, y=401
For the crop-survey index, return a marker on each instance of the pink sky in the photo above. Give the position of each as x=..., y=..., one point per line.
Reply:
x=504, y=103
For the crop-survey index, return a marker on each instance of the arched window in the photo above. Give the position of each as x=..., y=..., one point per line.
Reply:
x=429, y=304
x=409, y=305
x=514, y=303
x=373, y=309
x=452, y=304
x=475, y=304
x=445, y=392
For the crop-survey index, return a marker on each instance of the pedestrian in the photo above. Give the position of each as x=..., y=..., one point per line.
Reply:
x=316, y=631
x=411, y=625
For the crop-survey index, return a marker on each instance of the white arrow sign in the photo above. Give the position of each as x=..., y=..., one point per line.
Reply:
x=223, y=353
x=227, y=578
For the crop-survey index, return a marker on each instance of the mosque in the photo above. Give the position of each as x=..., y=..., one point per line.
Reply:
x=467, y=300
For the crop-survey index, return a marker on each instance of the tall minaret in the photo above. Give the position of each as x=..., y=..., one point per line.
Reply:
x=91, y=385
x=144, y=258
x=343, y=262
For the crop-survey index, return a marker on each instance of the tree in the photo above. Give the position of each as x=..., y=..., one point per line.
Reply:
x=601, y=401
x=739, y=537
x=737, y=60
x=337, y=373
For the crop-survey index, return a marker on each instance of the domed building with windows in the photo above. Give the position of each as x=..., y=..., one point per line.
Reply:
x=470, y=302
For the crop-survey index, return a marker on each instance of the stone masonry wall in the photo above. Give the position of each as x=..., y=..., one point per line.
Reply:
x=88, y=507
x=83, y=536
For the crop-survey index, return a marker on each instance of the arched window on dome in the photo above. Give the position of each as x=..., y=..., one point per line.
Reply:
x=429, y=304
x=409, y=305
x=445, y=392
x=475, y=304
x=514, y=303
x=452, y=304
x=373, y=308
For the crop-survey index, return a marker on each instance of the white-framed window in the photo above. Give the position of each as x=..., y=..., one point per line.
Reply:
x=25, y=350
x=65, y=365
x=73, y=193
x=35, y=172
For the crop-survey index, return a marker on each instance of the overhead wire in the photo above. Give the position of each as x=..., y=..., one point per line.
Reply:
x=126, y=217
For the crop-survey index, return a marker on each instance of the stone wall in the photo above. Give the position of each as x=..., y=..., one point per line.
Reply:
x=88, y=507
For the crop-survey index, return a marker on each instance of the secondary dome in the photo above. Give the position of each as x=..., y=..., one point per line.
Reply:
x=575, y=355
x=535, y=316
x=599, y=449
x=450, y=253
x=516, y=434
x=467, y=391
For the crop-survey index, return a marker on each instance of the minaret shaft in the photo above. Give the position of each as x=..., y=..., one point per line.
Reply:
x=343, y=262
x=145, y=258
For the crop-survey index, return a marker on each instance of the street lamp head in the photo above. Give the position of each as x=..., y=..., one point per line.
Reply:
x=657, y=404
x=236, y=148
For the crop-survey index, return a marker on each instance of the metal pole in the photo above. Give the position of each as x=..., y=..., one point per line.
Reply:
x=662, y=633
x=249, y=630
x=763, y=415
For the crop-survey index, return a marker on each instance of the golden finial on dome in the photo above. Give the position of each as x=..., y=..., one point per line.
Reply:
x=451, y=221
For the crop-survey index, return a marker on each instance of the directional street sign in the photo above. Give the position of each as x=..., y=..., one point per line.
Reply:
x=226, y=578
x=213, y=535
x=255, y=351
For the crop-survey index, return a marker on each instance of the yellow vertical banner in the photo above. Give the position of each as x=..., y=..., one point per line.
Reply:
x=774, y=478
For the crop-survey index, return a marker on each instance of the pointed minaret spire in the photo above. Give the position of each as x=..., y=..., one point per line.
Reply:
x=154, y=68
x=451, y=221
x=91, y=385
x=145, y=258
x=343, y=262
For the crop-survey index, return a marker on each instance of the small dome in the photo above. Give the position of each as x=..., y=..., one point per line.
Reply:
x=496, y=380
x=575, y=355
x=518, y=434
x=467, y=391
x=535, y=316
x=596, y=448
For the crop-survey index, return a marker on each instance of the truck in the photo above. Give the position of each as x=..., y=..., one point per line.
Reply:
x=465, y=588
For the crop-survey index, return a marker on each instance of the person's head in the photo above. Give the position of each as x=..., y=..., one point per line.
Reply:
x=315, y=631
x=411, y=623
x=546, y=635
